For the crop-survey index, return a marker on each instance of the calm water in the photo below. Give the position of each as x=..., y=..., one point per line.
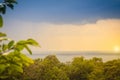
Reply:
x=68, y=56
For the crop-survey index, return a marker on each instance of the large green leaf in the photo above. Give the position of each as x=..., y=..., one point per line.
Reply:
x=32, y=42
x=28, y=49
x=10, y=44
x=1, y=21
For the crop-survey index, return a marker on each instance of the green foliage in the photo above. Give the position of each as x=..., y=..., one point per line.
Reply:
x=18, y=46
x=50, y=68
x=80, y=68
x=12, y=64
x=23, y=44
x=45, y=69
x=112, y=70
x=7, y=3
x=98, y=69
x=12, y=59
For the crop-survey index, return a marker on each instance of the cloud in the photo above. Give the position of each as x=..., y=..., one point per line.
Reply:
x=100, y=36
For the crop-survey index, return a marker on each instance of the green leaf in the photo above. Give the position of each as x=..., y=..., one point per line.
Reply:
x=4, y=47
x=1, y=22
x=32, y=42
x=10, y=44
x=2, y=34
x=28, y=49
x=26, y=60
x=22, y=42
x=19, y=47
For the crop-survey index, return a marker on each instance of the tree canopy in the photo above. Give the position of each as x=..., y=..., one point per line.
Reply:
x=50, y=68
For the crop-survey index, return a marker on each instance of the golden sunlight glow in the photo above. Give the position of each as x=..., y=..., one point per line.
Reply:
x=104, y=35
x=117, y=49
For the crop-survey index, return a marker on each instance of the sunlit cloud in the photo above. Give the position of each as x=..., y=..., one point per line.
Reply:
x=100, y=36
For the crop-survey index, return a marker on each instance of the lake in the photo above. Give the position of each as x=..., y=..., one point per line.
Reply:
x=66, y=56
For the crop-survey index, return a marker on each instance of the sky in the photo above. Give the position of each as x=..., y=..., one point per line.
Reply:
x=66, y=25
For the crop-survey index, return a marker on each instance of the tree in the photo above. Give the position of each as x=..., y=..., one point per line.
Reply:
x=83, y=69
x=112, y=70
x=98, y=69
x=12, y=59
x=80, y=69
x=45, y=69
x=34, y=71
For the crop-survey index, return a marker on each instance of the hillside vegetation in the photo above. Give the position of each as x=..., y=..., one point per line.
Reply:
x=50, y=68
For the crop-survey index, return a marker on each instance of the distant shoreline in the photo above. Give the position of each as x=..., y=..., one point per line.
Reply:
x=66, y=56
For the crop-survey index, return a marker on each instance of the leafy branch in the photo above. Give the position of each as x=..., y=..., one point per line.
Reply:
x=3, y=7
x=12, y=63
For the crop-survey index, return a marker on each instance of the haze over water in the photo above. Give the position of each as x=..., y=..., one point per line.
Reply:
x=67, y=56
